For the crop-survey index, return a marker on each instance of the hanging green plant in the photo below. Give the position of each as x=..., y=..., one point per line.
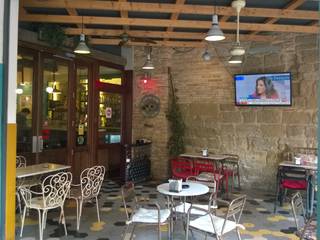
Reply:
x=53, y=34
x=176, y=144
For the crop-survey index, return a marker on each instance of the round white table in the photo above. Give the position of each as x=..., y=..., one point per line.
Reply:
x=194, y=189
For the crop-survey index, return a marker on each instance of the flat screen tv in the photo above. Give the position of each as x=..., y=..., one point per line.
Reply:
x=263, y=89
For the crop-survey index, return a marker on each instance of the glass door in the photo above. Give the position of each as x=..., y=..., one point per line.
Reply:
x=26, y=113
x=53, y=128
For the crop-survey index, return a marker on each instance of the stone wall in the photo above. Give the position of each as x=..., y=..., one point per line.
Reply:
x=260, y=135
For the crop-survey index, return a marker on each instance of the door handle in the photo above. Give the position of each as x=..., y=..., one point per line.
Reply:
x=34, y=144
x=40, y=144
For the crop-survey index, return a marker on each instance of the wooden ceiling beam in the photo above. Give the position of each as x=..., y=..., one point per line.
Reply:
x=175, y=15
x=198, y=44
x=171, y=8
x=124, y=14
x=291, y=6
x=162, y=34
x=165, y=23
x=73, y=12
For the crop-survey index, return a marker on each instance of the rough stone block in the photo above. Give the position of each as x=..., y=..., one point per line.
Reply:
x=269, y=116
x=249, y=116
x=272, y=130
x=227, y=129
x=272, y=59
x=296, y=89
x=261, y=143
x=300, y=117
x=227, y=107
x=247, y=130
x=231, y=117
x=311, y=132
x=295, y=131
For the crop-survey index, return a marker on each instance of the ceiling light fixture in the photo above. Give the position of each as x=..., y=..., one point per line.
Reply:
x=215, y=33
x=237, y=50
x=148, y=65
x=82, y=47
x=206, y=56
x=19, y=89
x=235, y=59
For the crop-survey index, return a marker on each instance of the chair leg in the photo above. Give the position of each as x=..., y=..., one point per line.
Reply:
x=64, y=221
x=22, y=220
x=238, y=175
x=44, y=220
x=40, y=225
x=79, y=214
x=159, y=231
x=97, y=203
x=133, y=228
x=238, y=234
x=19, y=202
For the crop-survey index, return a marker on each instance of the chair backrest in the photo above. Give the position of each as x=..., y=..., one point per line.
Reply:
x=298, y=208
x=128, y=195
x=91, y=180
x=181, y=166
x=293, y=173
x=203, y=166
x=235, y=209
x=210, y=182
x=21, y=161
x=55, y=189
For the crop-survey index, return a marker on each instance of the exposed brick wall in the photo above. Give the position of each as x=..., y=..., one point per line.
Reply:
x=259, y=135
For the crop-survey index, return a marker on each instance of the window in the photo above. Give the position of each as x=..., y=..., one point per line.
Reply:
x=110, y=75
x=54, y=100
x=82, y=106
x=110, y=115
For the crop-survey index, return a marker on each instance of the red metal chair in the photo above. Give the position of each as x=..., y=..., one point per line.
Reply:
x=231, y=169
x=289, y=178
x=181, y=168
x=206, y=169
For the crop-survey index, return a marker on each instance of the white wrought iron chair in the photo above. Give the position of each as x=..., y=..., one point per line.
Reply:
x=91, y=180
x=184, y=207
x=145, y=213
x=218, y=226
x=21, y=162
x=54, y=190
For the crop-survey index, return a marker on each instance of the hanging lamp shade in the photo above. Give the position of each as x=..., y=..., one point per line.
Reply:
x=148, y=65
x=235, y=59
x=237, y=50
x=206, y=56
x=215, y=33
x=82, y=47
x=19, y=89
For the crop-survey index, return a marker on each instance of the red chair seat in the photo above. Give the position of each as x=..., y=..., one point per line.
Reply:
x=294, y=184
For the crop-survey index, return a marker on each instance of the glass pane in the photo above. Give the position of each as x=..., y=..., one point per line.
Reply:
x=82, y=106
x=54, y=109
x=24, y=103
x=110, y=75
x=109, y=117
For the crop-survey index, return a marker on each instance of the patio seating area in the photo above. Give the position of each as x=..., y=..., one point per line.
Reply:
x=258, y=218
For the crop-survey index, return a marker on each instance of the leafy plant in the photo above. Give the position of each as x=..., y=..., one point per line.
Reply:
x=176, y=143
x=53, y=34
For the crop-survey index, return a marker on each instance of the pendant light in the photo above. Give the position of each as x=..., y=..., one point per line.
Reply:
x=55, y=90
x=206, y=56
x=148, y=65
x=215, y=33
x=237, y=50
x=19, y=89
x=82, y=47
